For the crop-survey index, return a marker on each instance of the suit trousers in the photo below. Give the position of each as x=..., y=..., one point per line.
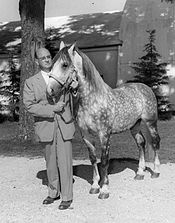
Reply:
x=58, y=155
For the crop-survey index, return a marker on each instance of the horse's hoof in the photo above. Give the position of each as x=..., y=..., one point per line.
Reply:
x=139, y=177
x=94, y=191
x=155, y=175
x=103, y=195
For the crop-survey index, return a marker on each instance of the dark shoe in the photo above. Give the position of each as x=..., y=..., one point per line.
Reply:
x=65, y=205
x=50, y=200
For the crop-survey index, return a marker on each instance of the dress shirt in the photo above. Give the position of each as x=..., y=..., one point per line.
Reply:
x=45, y=76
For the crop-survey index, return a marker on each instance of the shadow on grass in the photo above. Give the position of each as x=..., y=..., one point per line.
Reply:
x=16, y=148
x=84, y=171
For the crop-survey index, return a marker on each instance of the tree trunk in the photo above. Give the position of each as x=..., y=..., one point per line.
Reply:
x=32, y=35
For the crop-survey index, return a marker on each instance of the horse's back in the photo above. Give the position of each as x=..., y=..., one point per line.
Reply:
x=137, y=100
x=143, y=96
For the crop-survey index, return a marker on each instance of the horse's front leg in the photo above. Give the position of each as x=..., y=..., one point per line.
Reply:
x=104, y=190
x=95, y=188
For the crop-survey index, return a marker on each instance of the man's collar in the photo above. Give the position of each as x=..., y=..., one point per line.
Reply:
x=45, y=73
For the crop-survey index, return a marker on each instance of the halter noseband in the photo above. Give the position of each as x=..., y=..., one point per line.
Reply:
x=56, y=78
x=64, y=85
x=60, y=82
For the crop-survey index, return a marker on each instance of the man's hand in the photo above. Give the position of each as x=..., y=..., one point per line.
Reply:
x=59, y=106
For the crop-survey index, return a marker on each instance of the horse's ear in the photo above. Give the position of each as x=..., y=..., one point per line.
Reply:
x=72, y=49
x=62, y=45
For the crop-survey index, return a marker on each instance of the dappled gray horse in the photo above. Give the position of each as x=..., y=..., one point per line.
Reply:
x=102, y=110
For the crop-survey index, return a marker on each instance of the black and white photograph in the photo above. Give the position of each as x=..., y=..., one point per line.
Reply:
x=87, y=111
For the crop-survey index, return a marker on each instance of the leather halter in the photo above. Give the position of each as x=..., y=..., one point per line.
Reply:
x=65, y=90
x=63, y=84
x=57, y=80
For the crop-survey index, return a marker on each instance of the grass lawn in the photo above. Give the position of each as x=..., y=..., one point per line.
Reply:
x=122, y=145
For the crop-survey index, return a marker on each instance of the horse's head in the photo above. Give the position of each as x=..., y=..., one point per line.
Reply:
x=64, y=74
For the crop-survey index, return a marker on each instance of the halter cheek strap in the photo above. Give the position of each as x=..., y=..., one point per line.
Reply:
x=60, y=81
x=56, y=78
x=65, y=85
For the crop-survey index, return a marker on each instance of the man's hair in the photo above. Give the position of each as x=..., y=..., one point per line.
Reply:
x=36, y=57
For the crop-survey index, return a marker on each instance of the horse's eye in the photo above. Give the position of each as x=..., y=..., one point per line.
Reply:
x=65, y=65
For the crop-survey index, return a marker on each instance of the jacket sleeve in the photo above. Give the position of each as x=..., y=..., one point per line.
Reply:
x=37, y=109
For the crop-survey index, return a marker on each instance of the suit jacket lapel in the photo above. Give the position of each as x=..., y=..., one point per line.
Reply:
x=41, y=81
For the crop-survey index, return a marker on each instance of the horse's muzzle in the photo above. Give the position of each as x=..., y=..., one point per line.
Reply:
x=54, y=89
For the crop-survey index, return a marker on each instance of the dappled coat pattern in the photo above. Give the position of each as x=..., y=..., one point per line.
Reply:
x=105, y=111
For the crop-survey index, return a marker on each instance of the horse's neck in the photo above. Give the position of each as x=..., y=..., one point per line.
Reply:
x=97, y=85
x=100, y=82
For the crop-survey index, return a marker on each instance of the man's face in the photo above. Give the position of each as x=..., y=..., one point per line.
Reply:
x=44, y=59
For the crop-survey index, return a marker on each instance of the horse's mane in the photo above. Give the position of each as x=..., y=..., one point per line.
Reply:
x=90, y=71
x=62, y=54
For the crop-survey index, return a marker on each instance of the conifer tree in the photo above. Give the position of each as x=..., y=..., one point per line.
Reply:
x=152, y=72
x=14, y=88
x=9, y=89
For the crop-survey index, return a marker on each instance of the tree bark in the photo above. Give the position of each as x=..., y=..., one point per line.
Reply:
x=32, y=36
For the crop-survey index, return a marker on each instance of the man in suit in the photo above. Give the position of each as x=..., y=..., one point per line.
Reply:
x=52, y=131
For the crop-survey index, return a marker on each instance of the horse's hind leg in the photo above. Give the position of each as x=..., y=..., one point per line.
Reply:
x=95, y=188
x=155, y=145
x=140, y=140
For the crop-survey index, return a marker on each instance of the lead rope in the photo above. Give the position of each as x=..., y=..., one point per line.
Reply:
x=71, y=109
x=64, y=99
x=72, y=118
x=72, y=112
x=71, y=105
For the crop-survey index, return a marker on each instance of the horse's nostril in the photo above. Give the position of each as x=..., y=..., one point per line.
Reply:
x=52, y=92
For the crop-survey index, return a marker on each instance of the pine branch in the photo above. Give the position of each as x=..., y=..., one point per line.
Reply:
x=150, y=71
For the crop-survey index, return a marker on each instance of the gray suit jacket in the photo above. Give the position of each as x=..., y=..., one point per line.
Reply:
x=41, y=107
